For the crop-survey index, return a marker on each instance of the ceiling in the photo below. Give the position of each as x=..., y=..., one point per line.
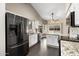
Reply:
x=45, y=10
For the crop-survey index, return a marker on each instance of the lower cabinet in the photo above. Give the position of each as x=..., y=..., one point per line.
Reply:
x=33, y=39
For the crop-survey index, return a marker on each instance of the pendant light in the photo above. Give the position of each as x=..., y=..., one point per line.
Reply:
x=52, y=15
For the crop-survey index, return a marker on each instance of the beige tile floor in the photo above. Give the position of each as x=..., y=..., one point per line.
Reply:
x=69, y=48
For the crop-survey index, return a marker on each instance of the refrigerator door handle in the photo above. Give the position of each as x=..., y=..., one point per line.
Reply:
x=18, y=45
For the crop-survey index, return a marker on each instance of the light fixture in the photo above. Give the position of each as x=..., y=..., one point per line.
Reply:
x=52, y=15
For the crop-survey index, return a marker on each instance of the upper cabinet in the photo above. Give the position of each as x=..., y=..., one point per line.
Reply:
x=33, y=26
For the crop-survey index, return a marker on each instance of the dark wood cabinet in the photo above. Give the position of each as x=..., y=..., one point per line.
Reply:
x=68, y=20
x=72, y=19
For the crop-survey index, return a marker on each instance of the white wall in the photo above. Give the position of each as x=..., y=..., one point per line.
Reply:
x=23, y=9
x=76, y=6
x=2, y=29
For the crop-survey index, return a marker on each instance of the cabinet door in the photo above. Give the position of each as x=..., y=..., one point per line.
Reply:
x=72, y=19
x=33, y=39
x=68, y=21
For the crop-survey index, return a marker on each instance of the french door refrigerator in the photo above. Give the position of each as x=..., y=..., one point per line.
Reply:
x=17, y=40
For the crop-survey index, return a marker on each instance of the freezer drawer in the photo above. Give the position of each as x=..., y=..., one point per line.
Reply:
x=19, y=50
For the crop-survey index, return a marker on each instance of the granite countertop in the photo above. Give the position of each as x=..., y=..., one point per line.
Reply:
x=69, y=39
x=51, y=33
x=69, y=48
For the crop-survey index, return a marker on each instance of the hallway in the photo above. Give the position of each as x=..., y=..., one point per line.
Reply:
x=41, y=49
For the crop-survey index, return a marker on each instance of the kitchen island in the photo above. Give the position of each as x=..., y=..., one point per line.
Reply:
x=53, y=40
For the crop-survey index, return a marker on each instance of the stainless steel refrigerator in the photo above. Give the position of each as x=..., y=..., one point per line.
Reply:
x=17, y=40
